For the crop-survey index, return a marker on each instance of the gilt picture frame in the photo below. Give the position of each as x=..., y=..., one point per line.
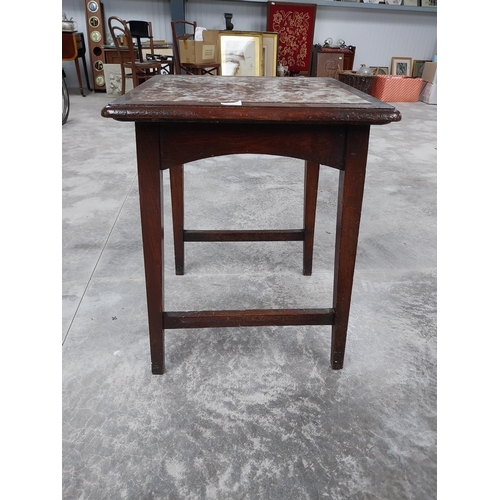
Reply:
x=270, y=53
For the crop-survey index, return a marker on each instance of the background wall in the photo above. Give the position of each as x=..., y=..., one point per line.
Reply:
x=378, y=35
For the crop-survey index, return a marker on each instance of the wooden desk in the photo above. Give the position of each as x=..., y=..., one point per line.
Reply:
x=180, y=119
x=73, y=48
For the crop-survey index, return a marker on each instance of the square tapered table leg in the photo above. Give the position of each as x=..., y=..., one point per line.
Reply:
x=150, y=178
x=350, y=198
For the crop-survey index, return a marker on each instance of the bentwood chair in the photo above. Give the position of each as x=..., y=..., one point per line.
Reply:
x=130, y=62
x=188, y=68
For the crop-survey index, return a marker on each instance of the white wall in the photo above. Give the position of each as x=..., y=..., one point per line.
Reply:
x=377, y=34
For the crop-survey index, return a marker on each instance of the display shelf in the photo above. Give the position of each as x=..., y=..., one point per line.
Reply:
x=377, y=6
x=358, y=5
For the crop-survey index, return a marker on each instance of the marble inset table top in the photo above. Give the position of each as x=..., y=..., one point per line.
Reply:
x=198, y=98
x=234, y=89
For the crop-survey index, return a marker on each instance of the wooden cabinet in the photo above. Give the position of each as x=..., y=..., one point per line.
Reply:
x=111, y=56
x=328, y=61
x=73, y=49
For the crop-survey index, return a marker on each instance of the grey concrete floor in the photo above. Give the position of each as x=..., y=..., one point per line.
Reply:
x=248, y=413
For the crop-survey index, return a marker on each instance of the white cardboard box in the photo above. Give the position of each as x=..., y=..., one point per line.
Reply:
x=429, y=89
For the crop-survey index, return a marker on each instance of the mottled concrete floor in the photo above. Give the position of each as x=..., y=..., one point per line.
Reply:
x=249, y=413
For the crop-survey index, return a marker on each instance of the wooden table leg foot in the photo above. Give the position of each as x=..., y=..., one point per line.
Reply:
x=337, y=360
x=157, y=345
x=157, y=370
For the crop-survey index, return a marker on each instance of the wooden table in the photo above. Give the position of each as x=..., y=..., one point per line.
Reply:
x=73, y=49
x=180, y=119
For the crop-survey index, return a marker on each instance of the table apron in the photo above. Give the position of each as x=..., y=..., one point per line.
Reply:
x=182, y=143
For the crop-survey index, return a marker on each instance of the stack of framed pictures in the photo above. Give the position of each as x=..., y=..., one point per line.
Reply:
x=419, y=3
x=248, y=53
x=402, y=66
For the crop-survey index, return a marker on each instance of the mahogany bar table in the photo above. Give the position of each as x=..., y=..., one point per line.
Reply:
x=183, y=118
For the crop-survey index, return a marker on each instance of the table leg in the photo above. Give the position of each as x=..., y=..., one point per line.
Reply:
x=78, y=73
x=124, y=80
x=86, y=72
x=177, y=194
x=350, y=198
x=311, y=176
x=150, y=178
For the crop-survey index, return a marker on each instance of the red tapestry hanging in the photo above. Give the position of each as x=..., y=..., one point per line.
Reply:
x=294, y=23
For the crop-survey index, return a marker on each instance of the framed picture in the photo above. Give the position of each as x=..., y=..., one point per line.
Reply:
x=414, y=3
x=113, y=78
x=380, y=70
x=401, y=66
x=429, y=3
x=295, y=24
x=269, y=53
x=418, y=67
x=241, y=54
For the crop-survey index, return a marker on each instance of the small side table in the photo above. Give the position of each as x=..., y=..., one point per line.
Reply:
x=73, y=48
x=180, y=119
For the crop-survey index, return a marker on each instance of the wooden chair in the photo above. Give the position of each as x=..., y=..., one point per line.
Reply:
x=139, y=71
x=140, y=30
x=189, y=68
